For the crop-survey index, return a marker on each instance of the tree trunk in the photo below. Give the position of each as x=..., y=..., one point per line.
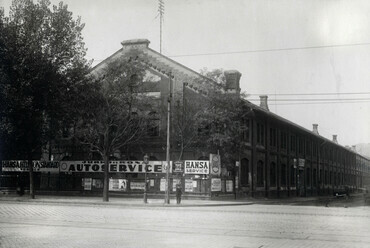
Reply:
x=32, y=184
x=106, y=178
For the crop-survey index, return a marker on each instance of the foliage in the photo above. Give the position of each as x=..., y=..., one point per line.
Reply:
x=42, y=72
x=115, y=114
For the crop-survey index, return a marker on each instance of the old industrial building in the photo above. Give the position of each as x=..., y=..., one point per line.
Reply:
x=280, y=159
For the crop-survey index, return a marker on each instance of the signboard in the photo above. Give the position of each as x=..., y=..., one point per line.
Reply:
x=188, y=185
x=229, y=186
x=215, y=163
x=196, y=167
x=178, y=167
x=124, y=166
x=117, y=184
x=216, y=184
x=175, y=181
x=22, y=166
x=162, y=186
x=236, y=182
x=137, y=185
x=87, y=183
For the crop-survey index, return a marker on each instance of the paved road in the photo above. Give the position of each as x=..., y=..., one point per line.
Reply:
x=55, y=225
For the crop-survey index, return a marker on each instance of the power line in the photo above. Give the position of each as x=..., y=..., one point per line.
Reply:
x=318, y=99
x=271, y=50
x=311, y=94
x=304, y=103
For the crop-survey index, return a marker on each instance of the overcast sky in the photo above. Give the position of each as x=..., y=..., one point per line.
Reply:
x=280, y=47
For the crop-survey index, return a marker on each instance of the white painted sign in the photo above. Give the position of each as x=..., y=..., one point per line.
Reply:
x=197, y=167
x=124, y=166
x=22, y=166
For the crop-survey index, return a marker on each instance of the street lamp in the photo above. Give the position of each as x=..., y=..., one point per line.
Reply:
x=145, y=161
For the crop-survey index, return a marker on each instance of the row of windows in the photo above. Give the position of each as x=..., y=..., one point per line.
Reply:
x=329, y=177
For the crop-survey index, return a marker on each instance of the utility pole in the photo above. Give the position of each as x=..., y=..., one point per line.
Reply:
x=161, y=12
x=169, y=100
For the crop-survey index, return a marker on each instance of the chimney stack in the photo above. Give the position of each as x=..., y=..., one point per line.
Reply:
x=232, y=81
x=354, y=148
x=335, y=138
x=263, y=102
x=315, y=128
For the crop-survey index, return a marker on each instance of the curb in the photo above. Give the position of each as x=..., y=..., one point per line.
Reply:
x=141, y=205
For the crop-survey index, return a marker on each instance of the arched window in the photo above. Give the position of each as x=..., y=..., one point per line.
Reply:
x=260, y=174
x=273, y=174
x=153, y=124
x=244, y=172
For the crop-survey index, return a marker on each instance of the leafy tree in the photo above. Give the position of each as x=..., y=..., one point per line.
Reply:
x=42, y=72
x=223, y=121
x=115, y=116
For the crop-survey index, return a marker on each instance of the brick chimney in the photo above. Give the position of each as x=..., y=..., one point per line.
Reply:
x=232, y=81
x=136, y=43
x=315, y=128
x=263, y=102
x=335, y=138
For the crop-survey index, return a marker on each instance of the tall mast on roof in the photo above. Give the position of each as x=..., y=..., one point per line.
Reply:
x=161, y=12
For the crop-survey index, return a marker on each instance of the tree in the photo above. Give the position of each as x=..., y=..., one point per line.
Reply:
x=42, y=72
x=185, y=119
x=115, y=115
x=223, y=121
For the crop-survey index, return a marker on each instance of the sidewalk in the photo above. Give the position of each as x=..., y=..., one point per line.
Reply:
x=115, y=201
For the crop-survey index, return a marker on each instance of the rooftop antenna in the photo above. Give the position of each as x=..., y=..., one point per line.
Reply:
x=161, y=12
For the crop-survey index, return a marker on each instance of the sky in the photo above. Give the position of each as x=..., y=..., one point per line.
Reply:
x=280, y=47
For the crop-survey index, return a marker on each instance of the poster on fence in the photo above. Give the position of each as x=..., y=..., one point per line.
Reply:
x=118, y=184
x=216, y=184
x=87, y=183
x=188, y=185
x=229, y=186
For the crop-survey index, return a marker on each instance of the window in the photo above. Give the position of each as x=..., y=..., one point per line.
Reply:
x=153, y=124
x=301, y=145
x=308, y=147
x=260, y=134
x=292, y=175
x=273, y=137
x=293, y=143
x=308, y=177
x=260, y=174
x=314, y=178
x=283, y=175
x=283, y=140
x=244, y=172
x=244, y=130
x=273, y=174
x=314, y=149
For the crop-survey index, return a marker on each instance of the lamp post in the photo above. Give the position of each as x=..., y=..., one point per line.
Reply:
x=145, y=161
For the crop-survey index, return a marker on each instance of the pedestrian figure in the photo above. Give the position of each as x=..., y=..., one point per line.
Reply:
x=20, y=187
x=178, y=193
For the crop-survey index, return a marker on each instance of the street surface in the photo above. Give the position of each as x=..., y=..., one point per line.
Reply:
x=27, y=224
